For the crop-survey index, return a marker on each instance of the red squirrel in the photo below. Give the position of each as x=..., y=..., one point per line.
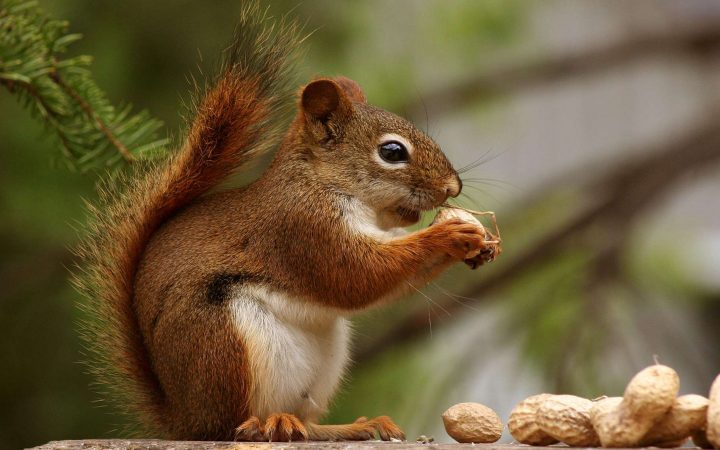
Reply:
x=223, y=314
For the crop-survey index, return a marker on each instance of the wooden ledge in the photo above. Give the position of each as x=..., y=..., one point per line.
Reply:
x=153, y=444
x=156, y=444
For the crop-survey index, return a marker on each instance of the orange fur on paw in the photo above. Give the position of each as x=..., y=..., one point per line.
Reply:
x=284, y=427
x=250, y=430
x=386, y=428
x=457, y=238
x=360, y=430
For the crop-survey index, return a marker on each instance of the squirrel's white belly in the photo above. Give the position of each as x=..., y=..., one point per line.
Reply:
x=297, y=352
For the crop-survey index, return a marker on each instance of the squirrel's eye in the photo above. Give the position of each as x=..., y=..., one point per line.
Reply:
x=393, y=152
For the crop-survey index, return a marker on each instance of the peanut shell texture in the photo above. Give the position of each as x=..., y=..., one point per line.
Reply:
x=472, y=423
x=713, y=414
x=523, y=426
x=567, y=419
x=493, y=244
x=687, y=416
x=446, y=214
x=623, y=422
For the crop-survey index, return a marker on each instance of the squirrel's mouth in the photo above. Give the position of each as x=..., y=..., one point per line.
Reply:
x=410, y=209
x=409, y=216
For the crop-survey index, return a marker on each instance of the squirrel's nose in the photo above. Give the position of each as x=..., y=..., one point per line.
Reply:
x=454, y=186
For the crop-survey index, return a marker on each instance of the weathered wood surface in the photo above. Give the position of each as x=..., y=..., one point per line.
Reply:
x=152, y=444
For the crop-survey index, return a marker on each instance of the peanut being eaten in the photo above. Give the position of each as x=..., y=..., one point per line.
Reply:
x=492, y=247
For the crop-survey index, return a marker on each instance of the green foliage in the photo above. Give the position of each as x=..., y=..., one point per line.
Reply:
x=60, y=91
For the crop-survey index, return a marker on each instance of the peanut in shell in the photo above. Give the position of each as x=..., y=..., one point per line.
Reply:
x=446, y=214
x=492, y=247
x=652, y=391
x=472, y=422
x=607, y=425
x=623, y=422
x=523, y=426
x=713, y=414
x=686, y=416
x=567, y=419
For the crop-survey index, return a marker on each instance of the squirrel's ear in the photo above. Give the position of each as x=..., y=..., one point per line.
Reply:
x=323, y=98
x=351, y=89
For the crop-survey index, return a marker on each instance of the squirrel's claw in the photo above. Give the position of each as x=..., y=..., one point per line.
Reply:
x=486, y=255
x=277, y=428
x=387, y=429
x=284, y=428
x=250, y=430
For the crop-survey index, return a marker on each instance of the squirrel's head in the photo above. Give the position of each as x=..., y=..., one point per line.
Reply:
x=371, y=154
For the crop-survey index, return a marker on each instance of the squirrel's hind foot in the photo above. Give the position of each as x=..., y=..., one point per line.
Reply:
x=251, y=430
x=287, y=428
x=280, y=427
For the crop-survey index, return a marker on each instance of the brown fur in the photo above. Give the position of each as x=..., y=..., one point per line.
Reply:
x=171, y=251
x=285, y=230
x=235, y=120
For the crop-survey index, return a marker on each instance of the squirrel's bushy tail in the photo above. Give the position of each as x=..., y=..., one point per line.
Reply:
x=236, y=118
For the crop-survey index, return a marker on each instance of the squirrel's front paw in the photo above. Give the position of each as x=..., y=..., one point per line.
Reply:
x=458, y=238
x=386, y=428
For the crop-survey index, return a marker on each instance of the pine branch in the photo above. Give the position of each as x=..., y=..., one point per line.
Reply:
x=92, y=115
x=61, y=92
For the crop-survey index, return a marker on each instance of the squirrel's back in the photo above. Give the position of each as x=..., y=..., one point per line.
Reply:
x=236, y=118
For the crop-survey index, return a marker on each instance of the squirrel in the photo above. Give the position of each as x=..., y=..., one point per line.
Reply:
x=223, y=314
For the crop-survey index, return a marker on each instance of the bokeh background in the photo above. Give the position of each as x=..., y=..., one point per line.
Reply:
x=596, y=125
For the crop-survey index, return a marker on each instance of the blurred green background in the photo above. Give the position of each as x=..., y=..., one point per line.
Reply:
x=595, y=125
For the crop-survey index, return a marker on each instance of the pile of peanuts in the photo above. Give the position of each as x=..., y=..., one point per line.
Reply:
x=650, y=413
